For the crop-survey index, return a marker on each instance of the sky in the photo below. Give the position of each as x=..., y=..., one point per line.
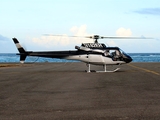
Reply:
x=30, y=20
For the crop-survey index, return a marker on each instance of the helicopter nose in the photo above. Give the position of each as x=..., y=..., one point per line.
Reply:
x=128, y=59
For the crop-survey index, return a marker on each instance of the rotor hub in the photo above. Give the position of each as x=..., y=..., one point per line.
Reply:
x=95, y=37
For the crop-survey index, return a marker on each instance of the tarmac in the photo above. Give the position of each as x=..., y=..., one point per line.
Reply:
x=64, y=91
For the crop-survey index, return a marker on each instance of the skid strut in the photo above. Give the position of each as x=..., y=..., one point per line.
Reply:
x=89, y=69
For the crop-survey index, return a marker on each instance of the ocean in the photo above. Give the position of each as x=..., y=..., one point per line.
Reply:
x=137, y=57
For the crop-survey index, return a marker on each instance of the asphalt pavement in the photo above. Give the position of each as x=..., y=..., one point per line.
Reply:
x=64, y=91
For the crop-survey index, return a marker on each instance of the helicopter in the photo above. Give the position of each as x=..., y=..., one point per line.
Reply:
x=90, y=53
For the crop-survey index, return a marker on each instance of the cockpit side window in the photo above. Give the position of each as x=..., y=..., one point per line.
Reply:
x=106, y=53
x=114, y=54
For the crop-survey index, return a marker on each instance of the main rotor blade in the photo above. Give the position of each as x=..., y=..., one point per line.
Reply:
x=126, y=38
x=100, y=37
x=62, y=35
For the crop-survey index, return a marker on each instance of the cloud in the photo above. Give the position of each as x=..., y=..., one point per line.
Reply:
x=124, y=32
x=151, y=11
x=121, y=32
x=111, y=43
x=49, y=41
x=2, y=38
x=64, y=40
x=79, y=31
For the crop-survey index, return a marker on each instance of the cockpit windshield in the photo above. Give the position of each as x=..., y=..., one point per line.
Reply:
x=125, y=55
x=116, y=54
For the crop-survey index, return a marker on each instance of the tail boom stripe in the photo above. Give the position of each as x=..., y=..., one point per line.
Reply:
x=18, y=45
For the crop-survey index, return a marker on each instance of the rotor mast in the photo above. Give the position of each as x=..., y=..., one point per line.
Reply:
x=95, y=37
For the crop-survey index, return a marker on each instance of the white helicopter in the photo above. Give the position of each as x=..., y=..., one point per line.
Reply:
x=89, y=53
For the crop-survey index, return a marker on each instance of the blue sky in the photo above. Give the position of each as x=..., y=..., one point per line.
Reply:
x=29, y=20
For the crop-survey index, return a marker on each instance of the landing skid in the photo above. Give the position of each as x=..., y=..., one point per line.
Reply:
x=89, y=70
x=109, y=71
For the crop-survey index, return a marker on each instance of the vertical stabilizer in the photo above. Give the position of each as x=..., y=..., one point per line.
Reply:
x=23, y=53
